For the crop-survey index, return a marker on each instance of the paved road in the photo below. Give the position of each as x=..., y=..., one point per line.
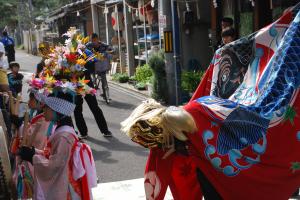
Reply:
x=117, y=158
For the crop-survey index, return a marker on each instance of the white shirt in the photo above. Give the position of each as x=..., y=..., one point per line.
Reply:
x=3, y=63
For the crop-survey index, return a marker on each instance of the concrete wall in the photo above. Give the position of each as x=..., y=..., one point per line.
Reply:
x=37, y=37
x=196, y=44
x=26, y=40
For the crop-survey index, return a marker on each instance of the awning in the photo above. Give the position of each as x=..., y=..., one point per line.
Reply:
x=55, y=17
x=61, y=12
x=97, y=1
x=113, y=1
x=75, y=3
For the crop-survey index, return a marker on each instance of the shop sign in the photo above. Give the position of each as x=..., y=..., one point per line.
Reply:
x=162, y=21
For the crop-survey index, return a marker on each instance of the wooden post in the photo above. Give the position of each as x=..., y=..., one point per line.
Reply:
x=262, y=14
x=25, y=129
x=11, y=102
x=216, y=17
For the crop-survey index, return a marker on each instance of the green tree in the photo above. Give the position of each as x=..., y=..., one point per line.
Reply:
x=8, y=10
x=42, y=7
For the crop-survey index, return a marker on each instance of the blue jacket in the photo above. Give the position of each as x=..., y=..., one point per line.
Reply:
x=7, y=41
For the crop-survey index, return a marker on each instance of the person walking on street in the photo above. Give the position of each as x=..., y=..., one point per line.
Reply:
x=9, y=45
x=93, y=105
x=97, y=45
x=102, y=65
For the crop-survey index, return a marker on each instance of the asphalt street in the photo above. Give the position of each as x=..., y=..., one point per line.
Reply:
x=116, y=158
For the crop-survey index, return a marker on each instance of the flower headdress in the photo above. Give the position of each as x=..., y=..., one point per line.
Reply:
x=65, y=66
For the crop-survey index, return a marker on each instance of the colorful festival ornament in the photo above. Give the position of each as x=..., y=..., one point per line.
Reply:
x=65, y=65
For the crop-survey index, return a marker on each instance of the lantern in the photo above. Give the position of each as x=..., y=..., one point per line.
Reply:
x=143, y=10
x=117, y=19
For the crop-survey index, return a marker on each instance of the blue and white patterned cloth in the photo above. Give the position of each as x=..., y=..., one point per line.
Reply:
x=60, y=105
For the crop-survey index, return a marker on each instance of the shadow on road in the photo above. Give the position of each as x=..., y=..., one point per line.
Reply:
x=115, y=144
x=119, y=104
x=104, y=156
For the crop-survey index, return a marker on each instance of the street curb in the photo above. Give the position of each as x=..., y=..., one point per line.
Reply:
x=128, y=89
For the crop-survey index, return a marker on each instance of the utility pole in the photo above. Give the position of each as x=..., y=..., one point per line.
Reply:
x=177, y=56
x=129, y=39
x=165, y=10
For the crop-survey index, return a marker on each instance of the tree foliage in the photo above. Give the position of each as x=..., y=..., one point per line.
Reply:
x=7, y=7
x=9, y=14
x=42, y=7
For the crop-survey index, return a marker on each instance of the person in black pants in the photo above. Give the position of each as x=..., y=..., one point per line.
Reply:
x=94, y=107
x=208, y=190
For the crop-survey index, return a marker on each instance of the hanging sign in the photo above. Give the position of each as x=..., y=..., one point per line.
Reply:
x=162, y=21
x=168, y=41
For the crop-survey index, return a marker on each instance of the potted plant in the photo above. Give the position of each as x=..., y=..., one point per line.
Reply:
x=190, y=81
x=123, y=78
x=143, y=73
x=132, y=80
x=140, y=86
x=115, y=77
x=159, y=80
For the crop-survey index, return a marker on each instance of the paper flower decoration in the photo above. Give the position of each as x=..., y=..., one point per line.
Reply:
x=64, y=67
x=81, y=62
x=71, y=58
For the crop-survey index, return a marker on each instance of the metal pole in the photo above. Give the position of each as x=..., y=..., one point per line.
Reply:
x=106, y=24
x=129, y=40
x=159, y=27
x=138, y=44
x=169, y=57
x=119, y=39
x=95, y=18
x=176, y=41
x=145, y=32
